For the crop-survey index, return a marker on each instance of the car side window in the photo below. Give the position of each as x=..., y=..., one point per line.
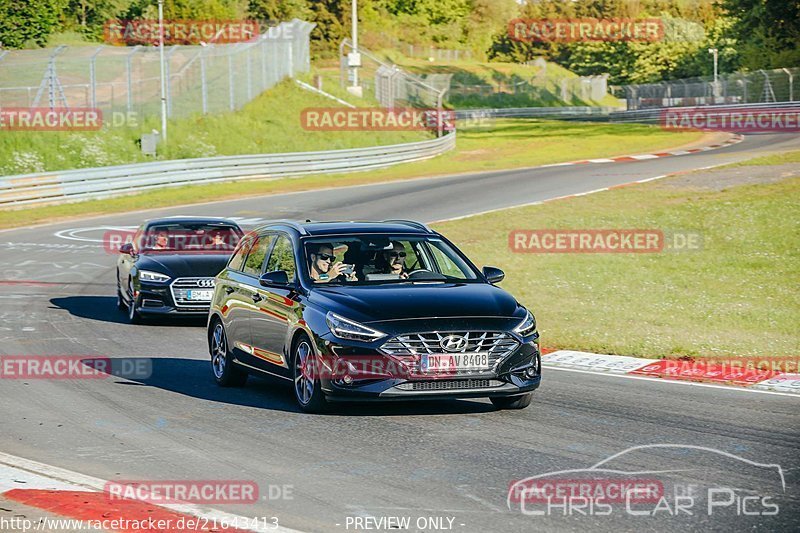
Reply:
x=282, y=257
x=445, y=264
x=237, y=259
x=258, y=253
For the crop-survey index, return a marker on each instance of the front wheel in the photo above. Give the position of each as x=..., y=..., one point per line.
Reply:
x=226, y=373
x=134, y=317
x=307, y=386
x=120, y=300
x=512, y=402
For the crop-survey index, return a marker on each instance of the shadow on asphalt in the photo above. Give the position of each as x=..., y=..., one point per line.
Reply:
x=104, y=309
x=193, y=377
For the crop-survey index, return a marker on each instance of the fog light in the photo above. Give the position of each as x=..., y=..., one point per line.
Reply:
x=531, y=372
x=348, y=380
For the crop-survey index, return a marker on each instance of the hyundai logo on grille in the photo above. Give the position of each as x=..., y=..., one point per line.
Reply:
x=205, y=283
x=453, y=343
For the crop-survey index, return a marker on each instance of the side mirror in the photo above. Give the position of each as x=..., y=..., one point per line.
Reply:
x=493, y=274
x=276, y=278
x=126, y=248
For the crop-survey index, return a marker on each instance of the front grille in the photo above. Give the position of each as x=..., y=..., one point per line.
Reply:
x=458, y=384
x=497, y=344
x=180, y=292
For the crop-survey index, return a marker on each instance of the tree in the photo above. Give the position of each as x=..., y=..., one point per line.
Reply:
x=768, y=30
x=29, y=22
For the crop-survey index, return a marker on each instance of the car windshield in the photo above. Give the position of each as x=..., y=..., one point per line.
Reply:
x=378, y=259
x=191, y=237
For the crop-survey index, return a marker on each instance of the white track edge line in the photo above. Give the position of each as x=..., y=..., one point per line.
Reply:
x=672, y=381
x=97, y=484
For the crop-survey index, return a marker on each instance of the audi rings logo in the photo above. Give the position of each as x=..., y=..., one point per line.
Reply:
x=453, y=343
x=205, y=282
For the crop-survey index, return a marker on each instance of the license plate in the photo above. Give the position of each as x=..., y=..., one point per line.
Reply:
x=202, y=296
x=454, y=362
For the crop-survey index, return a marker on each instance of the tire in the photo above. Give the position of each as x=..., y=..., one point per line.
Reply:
x=512, y=402
x=120, y=300
x=226, y=372
x=134, y=317
x=306, y=384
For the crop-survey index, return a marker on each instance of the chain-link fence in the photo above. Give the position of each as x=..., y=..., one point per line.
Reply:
x=390, y=85
x=573, y=91
x=437, y=54
x=201, y=79
x=761, y=86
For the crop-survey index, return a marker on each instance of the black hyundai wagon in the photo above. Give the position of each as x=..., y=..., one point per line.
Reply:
x=349, y=311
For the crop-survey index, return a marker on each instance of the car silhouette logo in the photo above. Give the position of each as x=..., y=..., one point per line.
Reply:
x=453, y=343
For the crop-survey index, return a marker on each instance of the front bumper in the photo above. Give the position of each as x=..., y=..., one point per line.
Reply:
x=518, y=373
x=156, y=299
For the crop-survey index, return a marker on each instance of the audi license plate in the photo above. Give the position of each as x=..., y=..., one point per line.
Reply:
x=199, y=296
x=454, y=362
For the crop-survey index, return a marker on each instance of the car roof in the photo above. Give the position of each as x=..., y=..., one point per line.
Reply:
x=317, y=228
x=190, y=220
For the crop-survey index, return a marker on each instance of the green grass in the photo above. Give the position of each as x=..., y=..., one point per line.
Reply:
x=774, y=159
x=537, y=87
x=505, y=144
x=738, y=296
x=268, y=124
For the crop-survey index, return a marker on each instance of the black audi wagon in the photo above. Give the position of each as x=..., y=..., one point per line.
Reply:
x=168, y=266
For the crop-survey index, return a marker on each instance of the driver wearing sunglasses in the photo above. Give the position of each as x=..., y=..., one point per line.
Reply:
x=324, y=270
x=395, y=260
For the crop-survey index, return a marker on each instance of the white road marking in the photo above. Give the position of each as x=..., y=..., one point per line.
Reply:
x=35, y=475
x=669, y=381
x=70, y=234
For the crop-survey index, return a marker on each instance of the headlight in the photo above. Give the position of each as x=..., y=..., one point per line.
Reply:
x=146, y=275
x=347, y=329
x=527, y=326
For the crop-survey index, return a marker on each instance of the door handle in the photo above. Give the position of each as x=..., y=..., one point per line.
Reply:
x=257, y=297
x=229, y=289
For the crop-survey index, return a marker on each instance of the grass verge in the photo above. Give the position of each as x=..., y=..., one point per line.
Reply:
x=737, y=296
x=507, y=144
x=268, y=124
x=773, y=159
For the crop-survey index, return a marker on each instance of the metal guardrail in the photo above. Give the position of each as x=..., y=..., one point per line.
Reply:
x=610, y=114
x=563, y=113
x=93, y=183
x=653, y=116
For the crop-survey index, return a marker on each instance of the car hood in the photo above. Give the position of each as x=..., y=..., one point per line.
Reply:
x=185, y=265
x=402, y=302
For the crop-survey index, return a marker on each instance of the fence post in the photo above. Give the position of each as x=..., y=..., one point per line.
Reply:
x=791, y=84
x=93, y=76
x=249, y=72
x=203, y=85
x=264, y=82
x=129, y=77
x=231, y=101
x=168, y=66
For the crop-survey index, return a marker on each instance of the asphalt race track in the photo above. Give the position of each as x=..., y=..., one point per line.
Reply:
x=449, y=459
